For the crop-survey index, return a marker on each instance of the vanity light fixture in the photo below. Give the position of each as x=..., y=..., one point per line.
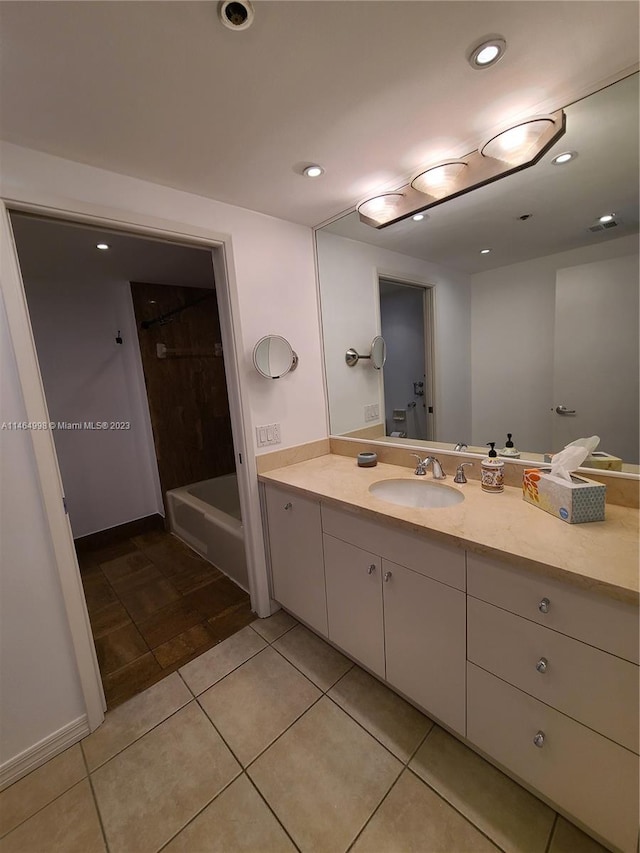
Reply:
x=381, y=209
x=102, y=246
x=563, y=158
x=313, y=171
x=439, y=181
x=487, y=53
x=607, y=217
x=505, y=153
x=514, y=146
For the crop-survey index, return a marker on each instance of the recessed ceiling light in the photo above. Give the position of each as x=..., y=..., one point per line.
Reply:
x=102, y=246
x=313, y=171
x=607, y=217
x=418, y=217
x=565, y=157
x=487, y=52
x=484, y=251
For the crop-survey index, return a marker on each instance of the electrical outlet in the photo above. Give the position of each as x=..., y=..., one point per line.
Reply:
x=267, y=434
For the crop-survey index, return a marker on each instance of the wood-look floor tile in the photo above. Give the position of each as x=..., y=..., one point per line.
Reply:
x=131, y=679
x=124, y=567
x=140, y=576
x=110, y=552
x=98, y=592
x=182, y=648
x=168, y=622
x=108, y=619
x=214, y=598
x=232, y=620
x=119, y=648
x=144, y=599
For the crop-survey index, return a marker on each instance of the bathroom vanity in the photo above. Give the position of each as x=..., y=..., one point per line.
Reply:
x=515, y=631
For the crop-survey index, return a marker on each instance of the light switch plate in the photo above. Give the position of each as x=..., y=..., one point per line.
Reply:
x=372, y=412
x=267, y=435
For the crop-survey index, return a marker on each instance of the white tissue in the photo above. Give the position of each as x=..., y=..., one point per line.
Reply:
x=572, y=457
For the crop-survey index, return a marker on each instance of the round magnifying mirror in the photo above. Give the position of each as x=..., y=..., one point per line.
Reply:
x=273, y=357
x=378, y=352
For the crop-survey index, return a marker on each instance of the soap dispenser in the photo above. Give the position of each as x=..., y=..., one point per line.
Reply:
x=509, y=449
x=492, y=474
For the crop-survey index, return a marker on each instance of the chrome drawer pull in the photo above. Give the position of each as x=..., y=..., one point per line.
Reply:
x=539, y=739
x=371, y=569
x=544, y=605
x=387, y=576
x=288, y=505
x=542, y=664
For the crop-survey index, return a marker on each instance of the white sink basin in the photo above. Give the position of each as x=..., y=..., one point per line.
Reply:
x=416, y=493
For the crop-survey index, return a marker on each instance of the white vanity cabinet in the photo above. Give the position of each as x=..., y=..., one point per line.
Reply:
x=387, y=611
x=552, y=692
x=295, y=545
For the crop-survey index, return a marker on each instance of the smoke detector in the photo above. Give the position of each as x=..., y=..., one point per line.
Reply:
x=236, y=15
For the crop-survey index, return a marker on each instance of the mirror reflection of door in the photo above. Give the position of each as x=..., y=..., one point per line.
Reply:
x=405, y=320
x=595, y=370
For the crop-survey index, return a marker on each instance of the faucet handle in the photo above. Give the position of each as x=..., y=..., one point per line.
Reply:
x=421, y=467
x=460, y=477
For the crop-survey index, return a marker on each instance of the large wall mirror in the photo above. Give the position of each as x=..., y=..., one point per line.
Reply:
x=481, y=344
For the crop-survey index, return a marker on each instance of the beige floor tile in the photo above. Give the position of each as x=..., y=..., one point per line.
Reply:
x=414, y=819
x=237, y=821
x=502, y=809
x=324, y=777
x=319, y=661
x=394, y=722
x=274, y=626
x=257, y=702
x=567, y=838
x=69, y=824
x=27, y=796
x=149, y=792
x=134, y=718
x=219, y=661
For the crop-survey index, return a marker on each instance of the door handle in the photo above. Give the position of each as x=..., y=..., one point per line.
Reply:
x=562, y=410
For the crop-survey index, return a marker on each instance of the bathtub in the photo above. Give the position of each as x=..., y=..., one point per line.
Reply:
x=207, y=517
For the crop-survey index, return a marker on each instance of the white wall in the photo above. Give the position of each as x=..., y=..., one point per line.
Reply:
x=348, y=284
x=271, y=265
x=512, y=342
x=110, y=477
x=39, y=685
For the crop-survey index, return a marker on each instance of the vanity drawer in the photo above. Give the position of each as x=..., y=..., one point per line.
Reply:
x=443, y=563
x=591, y=686
x=590, y=777
x=591, y=617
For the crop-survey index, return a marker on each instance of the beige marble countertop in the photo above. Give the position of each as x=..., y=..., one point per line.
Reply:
x=600, y=555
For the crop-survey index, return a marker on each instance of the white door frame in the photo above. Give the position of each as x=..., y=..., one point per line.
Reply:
x=50, y=481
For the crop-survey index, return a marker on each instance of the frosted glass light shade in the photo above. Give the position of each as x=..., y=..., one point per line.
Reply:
x=382, y=208
x=517, y=145
x=440, y=180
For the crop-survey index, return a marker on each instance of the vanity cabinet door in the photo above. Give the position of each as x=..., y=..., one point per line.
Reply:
x=354, y=602
x=425, y=642
x=297, y=567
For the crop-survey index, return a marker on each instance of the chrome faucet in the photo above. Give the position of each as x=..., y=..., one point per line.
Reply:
x=423, y=464
x=460, y=445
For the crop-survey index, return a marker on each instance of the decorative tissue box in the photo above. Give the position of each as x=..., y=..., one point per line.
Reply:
x=575, y=502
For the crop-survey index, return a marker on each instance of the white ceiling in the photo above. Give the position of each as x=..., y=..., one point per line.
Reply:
x=370, y=90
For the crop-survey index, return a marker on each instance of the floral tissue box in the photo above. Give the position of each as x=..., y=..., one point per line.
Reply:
x=575, y=502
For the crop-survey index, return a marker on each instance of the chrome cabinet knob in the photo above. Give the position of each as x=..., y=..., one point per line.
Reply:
x=538, y=740
x=542, y=664
x=544, y=605
x=388, y=576
x=371, y=569
x=288, y=505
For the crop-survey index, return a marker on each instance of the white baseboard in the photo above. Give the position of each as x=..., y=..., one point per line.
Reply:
x=26, y=761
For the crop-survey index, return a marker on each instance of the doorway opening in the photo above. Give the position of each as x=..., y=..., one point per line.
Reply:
x=406, y=322
x=130, y=352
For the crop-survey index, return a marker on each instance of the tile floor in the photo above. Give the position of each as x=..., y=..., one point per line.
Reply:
x=269, y=742
x=154, y=604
